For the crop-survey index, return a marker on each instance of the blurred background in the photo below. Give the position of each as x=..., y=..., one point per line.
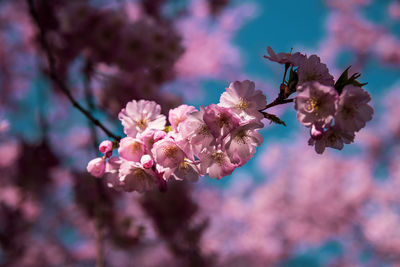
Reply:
x=287, y=206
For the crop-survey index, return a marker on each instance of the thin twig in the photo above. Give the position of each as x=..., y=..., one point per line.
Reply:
x=56, y=79
x=278, y=101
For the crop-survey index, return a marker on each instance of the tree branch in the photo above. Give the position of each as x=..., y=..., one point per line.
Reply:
x=277, y=102
x=56, y=79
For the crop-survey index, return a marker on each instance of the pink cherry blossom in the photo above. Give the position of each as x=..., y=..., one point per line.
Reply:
x=216, y=163
x=282, y=58
x=244, y=100
x=334, y=137
x=97, y=167
x=194, y=133
x=135, y=178
x=186, y=171
x=105, y=146
x=353, y=110
x=312, y=69
x=315, y=104
x=142, y=115
x=167, y=153
x=131, y=149
x=242, y=142
x=221, y=121
x=179, y=114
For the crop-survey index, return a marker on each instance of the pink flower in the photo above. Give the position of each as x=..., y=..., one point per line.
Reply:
x=112, y=173
x=146, y=161
x=105, y=146
x=135, y=178
x=282, y=58
x=353, y=110
x=96, y=167
x=194, y=133
x=140, y=116
x=221, y=121
x=333, y=137
x=244, y=100
x=179, y=114
x=315, y=104
x=312, y=69
x=216, y=163
x=242, y=142
x=131, y=149
x=167, y=153
x=186, y=171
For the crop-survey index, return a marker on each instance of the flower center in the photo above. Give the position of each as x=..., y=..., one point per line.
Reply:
x=241, y=137
x=142, y=123
x=312, y=104
x=203, y=130
x=135, y=147
x=243, y=104
x=218, y=157
x=223, y=120
x=171, y=151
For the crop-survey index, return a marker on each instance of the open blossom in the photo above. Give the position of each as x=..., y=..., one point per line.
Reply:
x=167, y=153
x=315, y=104
x=186, y=171
x=353, y=109
x=216, y=163
x=294, y=59
x=244, y=100
x=221, y=121
x=312, y=69
x=195, y=133
x=242, y=142
x=333, y=137
x=131, y=149
x=179, y=114
x=97, y=167
x=142, y=115
x=135, y=178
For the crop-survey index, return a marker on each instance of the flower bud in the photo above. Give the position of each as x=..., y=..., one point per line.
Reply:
x=146, y=161
x=96, y=167
x=105, y=146
x=316, y=133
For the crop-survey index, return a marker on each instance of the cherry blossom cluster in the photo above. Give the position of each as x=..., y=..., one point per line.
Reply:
x=214, y=140
x=334, y=111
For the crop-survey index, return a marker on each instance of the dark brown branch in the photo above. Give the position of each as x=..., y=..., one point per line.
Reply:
x=56, y=79
x=278, y=101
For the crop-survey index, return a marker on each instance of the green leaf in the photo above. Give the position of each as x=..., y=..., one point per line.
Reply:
x=273, y=118
x=293, y=80
x=345, y=80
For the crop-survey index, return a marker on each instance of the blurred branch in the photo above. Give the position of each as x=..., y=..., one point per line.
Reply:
x=98, y=224
x=53, y=74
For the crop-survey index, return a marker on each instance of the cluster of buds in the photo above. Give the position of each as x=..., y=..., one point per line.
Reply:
x=213, y=140
x=334, y=111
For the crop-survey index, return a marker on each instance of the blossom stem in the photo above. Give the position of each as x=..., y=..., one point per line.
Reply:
x=54, y=76
x=278, y=101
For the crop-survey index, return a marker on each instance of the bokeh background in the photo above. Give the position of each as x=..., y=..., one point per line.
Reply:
x=287, y=206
